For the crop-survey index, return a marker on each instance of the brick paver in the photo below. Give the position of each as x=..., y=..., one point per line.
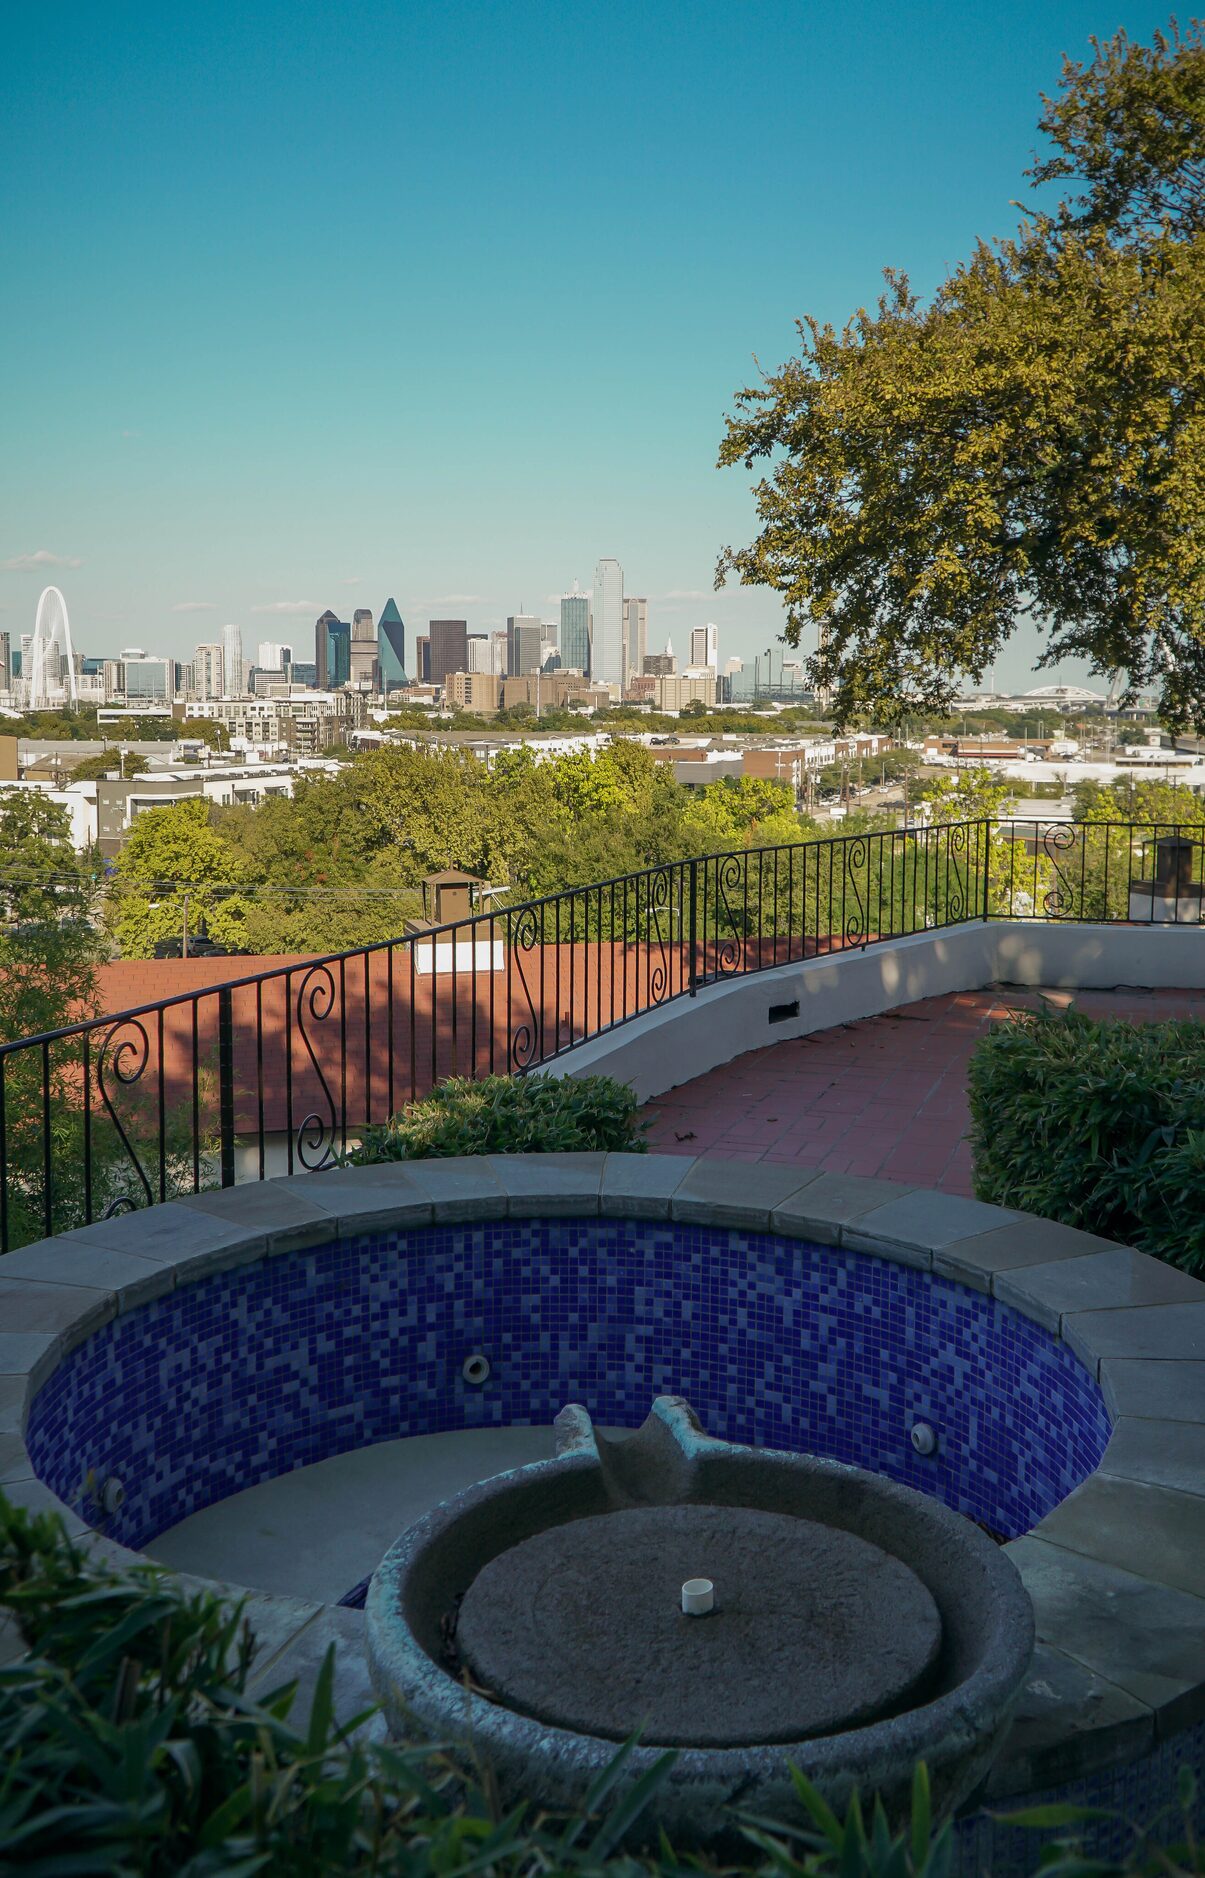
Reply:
x=885, y=1096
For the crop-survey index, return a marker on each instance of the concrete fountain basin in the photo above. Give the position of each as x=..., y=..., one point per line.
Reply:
x=857, y=1627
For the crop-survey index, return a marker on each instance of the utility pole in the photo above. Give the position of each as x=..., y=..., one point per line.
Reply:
x=184, y=935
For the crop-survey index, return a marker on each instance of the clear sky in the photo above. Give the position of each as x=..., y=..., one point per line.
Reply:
x=303, y=305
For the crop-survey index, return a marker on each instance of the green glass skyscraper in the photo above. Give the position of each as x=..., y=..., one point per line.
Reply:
x=575, y=631
x=391, y=647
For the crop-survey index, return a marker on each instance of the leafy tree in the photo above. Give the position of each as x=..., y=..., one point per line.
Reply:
x=751, y=811
x=434, y=808
x=42, y=878
x=1136, y=799
x=177, y=865
x=49, y=950
x=1111, y=847
x=216, y=735
x=966, y=795
x=1026, y=444
x=97, y=764
x=1129, y=130
x=48, y=945
x=895, y=764
x=141, y=730
x=319, y=877
x=340, y=863
x=1016, y=877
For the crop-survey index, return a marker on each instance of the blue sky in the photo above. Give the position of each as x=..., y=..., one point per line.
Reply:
x=304, y=305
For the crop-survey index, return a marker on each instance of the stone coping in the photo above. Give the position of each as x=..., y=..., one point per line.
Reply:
x=1116, y=1572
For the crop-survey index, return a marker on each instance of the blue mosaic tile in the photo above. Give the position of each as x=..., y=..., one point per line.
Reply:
x=1138, y=1794
x=255, y=1372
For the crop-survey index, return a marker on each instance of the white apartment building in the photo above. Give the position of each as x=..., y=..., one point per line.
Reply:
x=705, y=646
x=291, y=717
x=102, y=810
x=607, y=666
x=207, y=679
x=233, y=670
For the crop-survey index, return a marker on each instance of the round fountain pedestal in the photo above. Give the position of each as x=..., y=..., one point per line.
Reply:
x=857, y=1626
x=812, y=1630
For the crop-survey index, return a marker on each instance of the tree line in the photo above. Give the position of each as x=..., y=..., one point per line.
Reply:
x=341, y=862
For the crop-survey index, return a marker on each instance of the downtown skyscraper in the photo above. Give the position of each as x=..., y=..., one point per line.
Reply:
x=705, y=647
x=233, y=669
x=332, y=650
x=449, y=647
x=635, y=636
x=607, y=653
x=575, y=631
x=391, y=647
x=362, y=650
x=524, y=644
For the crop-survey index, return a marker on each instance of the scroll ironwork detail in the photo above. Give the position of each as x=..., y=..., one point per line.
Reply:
x=1058, y=899
x=122, y=1060
x=524, y=1041
x=315, y=1134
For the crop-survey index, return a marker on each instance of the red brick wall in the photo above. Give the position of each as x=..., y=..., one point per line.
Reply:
x=128, y=983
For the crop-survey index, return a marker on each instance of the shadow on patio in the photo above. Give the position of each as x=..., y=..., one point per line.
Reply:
x=885, y=1096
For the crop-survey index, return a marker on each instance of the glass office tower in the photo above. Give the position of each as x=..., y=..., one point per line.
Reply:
x=391, y=647
x=575, y=632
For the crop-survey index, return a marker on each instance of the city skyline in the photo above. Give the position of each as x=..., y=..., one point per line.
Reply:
x=193, y=630
x=164, y=416
x=368, y=655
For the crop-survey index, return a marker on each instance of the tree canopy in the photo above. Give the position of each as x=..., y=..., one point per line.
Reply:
x=341, y=862
x=1027, y=444
x=48, y=945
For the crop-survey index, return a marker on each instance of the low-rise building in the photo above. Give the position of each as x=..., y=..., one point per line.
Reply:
x=861, y=744
x=553, y=689
x=474, y=691
x=675, y=690
x=291, y=718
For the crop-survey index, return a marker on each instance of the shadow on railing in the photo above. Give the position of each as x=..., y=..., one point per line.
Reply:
x=272, y=1072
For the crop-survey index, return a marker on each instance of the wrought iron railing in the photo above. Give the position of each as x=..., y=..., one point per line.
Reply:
x=276, y=1071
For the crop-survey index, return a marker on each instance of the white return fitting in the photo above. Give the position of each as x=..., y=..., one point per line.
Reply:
x=698, y=1597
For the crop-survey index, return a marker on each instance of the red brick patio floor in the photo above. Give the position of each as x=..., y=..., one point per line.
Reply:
x=885, y=1096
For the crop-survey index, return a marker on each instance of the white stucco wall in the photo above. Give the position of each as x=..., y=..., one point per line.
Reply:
x=683, y=1040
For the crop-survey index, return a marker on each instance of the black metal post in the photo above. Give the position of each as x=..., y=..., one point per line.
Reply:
x=694, y=916
x=226, y=1082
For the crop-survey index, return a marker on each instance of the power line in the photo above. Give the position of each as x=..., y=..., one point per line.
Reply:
x=248, y=890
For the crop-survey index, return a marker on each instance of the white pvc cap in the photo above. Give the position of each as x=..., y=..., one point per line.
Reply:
x=698, y=1597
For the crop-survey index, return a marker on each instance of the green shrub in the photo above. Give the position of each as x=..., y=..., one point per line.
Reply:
x=131, y=1744
x=1098, y=1124
x=540, y=1114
